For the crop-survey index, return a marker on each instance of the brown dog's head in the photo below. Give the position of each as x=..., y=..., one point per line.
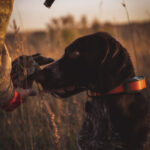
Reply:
x=97, y=62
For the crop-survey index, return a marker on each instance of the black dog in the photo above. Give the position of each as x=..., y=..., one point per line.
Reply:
x=99, y=63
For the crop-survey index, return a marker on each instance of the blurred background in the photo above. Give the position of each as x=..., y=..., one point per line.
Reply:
x=47, y=123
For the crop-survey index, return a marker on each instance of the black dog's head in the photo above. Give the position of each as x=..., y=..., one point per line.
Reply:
x=25, y=68
x=97, y=62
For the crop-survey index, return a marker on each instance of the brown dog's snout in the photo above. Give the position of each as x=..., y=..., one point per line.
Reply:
x=55, y=70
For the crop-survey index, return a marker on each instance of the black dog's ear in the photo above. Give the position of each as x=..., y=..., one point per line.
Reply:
x=41, y=60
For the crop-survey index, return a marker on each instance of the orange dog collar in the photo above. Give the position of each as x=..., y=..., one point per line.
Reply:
x=132, y=85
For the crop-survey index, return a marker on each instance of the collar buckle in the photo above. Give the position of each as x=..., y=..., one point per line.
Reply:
x=134, y=84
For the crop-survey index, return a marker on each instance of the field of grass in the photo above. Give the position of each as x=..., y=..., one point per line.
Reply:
x=47, y=123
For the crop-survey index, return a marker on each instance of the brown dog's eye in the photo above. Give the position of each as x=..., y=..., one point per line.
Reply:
x=74, y=54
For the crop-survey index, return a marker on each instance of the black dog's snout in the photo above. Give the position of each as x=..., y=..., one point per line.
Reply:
x=55, y=70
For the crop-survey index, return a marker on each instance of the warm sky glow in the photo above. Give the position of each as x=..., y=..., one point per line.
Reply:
x=32, y=14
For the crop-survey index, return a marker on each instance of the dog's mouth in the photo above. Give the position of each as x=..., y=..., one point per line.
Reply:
x=63, y=91
x=67, y=91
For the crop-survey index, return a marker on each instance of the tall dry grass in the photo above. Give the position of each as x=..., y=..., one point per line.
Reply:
x=47, y=123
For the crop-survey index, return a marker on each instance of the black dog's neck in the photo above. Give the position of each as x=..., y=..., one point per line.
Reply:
x=110, y=76
x=109, y=83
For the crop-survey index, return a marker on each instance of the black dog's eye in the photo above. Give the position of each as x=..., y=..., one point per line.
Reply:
x=74, y=54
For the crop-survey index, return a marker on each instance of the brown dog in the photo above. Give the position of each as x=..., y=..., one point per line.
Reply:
x=114, y=120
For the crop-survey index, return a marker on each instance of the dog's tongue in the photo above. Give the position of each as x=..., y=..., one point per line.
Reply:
x=71, y=88
x=61, y=91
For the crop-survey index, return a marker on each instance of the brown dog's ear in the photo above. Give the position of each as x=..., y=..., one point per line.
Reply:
x=41, y=60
